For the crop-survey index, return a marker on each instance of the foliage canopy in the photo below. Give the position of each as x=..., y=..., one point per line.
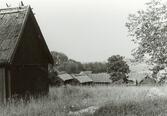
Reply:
x=117, y=67
x=148, y=27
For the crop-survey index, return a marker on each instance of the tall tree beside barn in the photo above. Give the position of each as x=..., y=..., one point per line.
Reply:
x=148, y=29
x=117, y=68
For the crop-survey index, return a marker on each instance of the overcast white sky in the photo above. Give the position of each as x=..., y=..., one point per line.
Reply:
x=85, y=30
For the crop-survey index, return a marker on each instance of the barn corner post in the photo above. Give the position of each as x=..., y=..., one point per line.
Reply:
x=5, y=84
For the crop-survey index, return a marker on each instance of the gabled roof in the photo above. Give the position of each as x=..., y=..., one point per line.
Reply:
x=83, y=79
x=65, y=77
x=148, y=80
x=12, y=23
x=100, y=78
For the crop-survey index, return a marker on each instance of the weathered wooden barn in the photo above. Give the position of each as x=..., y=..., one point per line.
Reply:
x=148, y=81
x=24, y=55
x=82, y=80
x=63, y=79
x=100, y=78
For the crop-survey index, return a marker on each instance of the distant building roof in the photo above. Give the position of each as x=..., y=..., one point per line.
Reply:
x=65, y=77
x=83, y=79
x=148, y=80
x=100, y=78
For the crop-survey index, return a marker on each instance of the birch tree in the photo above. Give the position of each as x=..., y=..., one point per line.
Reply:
x=148, y=29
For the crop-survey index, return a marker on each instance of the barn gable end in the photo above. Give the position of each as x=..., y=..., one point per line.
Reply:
x=32, y=42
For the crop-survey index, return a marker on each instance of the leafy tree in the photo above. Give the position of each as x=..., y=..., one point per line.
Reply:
x=59, y=58
x=117, y=68
x=148, y=28
x=95, y=67
x=63, y=63
x=71, y=66
x=156, y=69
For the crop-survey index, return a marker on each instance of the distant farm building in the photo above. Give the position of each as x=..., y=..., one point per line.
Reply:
x=148, y=81
x=63, y=79
x=24, y=55
x=100, y=78
x=82, y=80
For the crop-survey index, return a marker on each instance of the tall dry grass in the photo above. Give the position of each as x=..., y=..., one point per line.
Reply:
x=111, y=100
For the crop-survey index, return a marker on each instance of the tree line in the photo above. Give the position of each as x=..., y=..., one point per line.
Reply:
x=115, y=66
x=63, y=63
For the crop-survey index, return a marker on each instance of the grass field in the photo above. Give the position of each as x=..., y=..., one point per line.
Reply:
x=110, y=101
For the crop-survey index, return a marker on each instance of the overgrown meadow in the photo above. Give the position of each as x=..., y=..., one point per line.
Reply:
x=106, y=100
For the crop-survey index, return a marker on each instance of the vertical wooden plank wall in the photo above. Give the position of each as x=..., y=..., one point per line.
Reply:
x=9, y=84
x=2, y=86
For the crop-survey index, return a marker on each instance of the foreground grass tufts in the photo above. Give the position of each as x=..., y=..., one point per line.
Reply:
x=58, y=103
x=145, y=108
x=109, y=100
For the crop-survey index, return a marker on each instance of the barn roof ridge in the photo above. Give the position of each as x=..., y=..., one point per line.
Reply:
x=13, y=9
x=83, y=78
x=21, y=31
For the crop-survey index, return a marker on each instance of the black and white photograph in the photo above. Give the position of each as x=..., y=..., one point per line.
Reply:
x=83, y=57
